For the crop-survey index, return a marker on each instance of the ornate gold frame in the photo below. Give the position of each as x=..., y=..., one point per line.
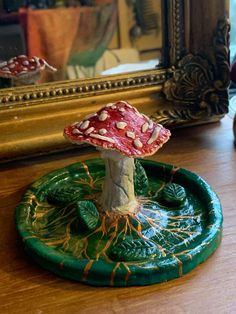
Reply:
x=191, y=90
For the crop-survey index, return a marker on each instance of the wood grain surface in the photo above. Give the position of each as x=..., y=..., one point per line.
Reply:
x=210, y=288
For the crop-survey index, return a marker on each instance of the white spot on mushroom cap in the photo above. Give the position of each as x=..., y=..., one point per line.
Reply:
x=5, y=69
x=103, y=116
x=145, y=127
x=121, y=109
x=104, y=138
x=154, y=135
x=25, y=69
x=76, y=131
x=130, y=134
x=25, y=62
x=138, y=143
x=150, y=124
x=84, y=125
x=89, y=130
x=121, y=125
x=102, y=131
x=113, y=107
x=12, y=65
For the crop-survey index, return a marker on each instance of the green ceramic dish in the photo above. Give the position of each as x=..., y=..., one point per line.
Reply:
x=178, y=226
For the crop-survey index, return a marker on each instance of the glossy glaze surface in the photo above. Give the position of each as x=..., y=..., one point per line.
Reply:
x=161, y=241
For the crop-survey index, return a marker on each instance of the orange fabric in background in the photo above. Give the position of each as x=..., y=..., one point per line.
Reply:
x=50, y=35
x=53, y=34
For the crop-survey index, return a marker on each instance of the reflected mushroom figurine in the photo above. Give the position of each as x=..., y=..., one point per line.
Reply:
x=120, y=133
x=24, y=70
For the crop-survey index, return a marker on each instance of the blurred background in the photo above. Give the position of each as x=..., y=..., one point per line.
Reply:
x=83, y=38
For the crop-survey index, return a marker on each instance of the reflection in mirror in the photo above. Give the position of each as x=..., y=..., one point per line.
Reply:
x=83, y=38
x=232, y=91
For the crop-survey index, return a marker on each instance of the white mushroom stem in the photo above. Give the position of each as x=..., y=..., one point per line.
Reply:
x=118, y=189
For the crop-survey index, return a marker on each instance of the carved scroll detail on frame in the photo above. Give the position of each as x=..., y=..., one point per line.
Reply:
x=199, y=83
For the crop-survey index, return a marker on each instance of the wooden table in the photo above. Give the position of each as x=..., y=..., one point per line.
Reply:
x=210, y=288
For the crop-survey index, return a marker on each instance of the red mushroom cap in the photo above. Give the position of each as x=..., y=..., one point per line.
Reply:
x=119, y=127
x=23, y=66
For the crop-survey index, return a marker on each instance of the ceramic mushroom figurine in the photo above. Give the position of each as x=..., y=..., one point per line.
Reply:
x=137, y=223
x=121, y=133
x=24, y=70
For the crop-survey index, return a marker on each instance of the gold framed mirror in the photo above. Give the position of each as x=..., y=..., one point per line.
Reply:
x=190, y=87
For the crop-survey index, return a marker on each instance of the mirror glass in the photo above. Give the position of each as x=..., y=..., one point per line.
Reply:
x=82, y=39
